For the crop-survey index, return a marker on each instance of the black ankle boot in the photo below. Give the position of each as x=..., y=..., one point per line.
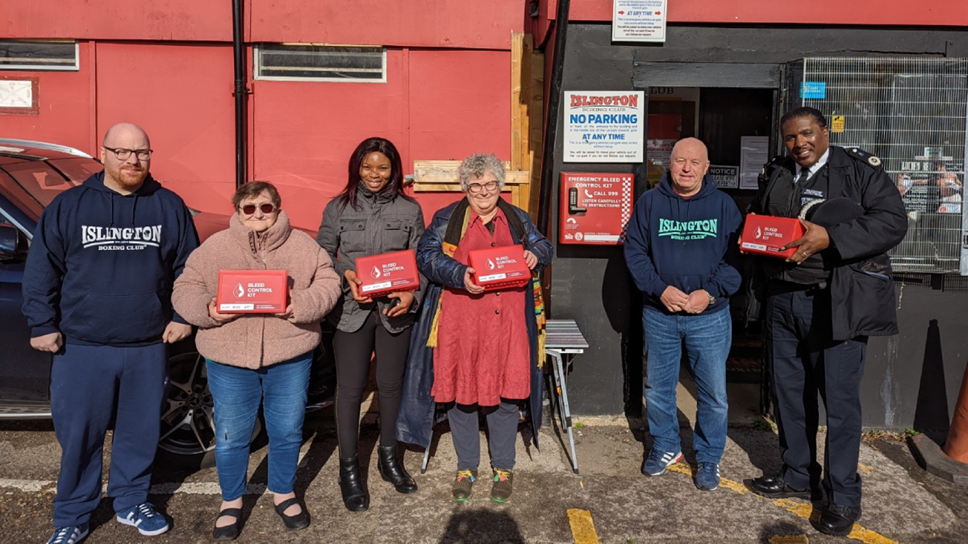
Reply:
x=351, y=485
x=392, y=470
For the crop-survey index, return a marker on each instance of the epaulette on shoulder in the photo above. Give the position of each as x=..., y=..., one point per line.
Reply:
x=859, y=154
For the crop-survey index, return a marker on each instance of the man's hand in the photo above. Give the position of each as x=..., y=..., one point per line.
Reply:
x=406, y=300
x=51, y=342
x=469, y=284
x=214, y=314
x=530, y=259
x=175, y=332
x=674, y=299
x=697, y=303
x=354, y=282
x=813, y=240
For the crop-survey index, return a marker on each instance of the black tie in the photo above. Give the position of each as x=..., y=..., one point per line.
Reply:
x=804, y=174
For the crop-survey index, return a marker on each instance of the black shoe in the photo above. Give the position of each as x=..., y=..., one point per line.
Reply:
x=228, y=532
x=296, y=522
x=838, y=520
x=393, y=471
x=355, y=496
x=773, y=487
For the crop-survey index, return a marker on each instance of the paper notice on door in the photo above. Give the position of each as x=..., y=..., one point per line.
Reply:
x=754, y=154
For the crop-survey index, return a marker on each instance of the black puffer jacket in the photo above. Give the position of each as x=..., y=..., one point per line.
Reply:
x=861, y=287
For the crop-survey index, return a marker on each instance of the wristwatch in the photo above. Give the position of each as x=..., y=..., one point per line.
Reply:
x=712, y=299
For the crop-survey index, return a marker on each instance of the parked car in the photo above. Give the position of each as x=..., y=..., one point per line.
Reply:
x=31, y=175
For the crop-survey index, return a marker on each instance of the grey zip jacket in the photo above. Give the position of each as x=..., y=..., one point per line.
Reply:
x=382, y=224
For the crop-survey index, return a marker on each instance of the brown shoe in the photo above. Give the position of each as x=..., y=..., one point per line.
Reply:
x=464, y=484
x=501, y=490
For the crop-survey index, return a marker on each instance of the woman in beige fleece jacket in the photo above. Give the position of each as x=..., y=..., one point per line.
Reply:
x=255, y=356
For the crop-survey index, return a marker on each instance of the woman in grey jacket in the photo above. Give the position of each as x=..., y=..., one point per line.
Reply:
x=371, y=216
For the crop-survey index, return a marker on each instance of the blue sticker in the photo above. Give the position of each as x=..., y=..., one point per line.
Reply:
x=814, y=89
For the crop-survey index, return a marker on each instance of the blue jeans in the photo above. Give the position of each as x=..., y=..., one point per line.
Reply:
x=237, y=393
x=707, y=339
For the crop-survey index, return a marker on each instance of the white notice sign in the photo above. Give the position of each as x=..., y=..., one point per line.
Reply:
x=638, y=20
x=725, y=177
x=604, y=126
x=754, y=154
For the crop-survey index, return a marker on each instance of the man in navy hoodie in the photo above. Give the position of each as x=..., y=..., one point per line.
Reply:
x=97, y=294
x=680, y=248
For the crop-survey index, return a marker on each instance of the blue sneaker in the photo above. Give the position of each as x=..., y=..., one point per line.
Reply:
x=707, y=476
x=658, y=462
x=69, y=535
x=144, y=516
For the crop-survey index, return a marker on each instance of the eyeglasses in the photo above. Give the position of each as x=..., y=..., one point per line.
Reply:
x=249, y=209
x=477, y=188
x=123, y=154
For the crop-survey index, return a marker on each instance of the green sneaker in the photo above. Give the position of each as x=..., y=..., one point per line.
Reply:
x=463, y=485
x=501, y=490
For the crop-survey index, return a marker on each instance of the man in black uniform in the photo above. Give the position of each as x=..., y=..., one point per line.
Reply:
x=814, y=345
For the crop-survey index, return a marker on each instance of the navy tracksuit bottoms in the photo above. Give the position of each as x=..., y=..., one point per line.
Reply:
x=91, y=386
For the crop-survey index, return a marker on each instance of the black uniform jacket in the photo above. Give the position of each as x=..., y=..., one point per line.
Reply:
x=861, y=286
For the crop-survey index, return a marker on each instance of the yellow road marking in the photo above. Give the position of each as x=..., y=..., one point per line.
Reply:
x=804, y=510
x=865, y=469
x=582, y=526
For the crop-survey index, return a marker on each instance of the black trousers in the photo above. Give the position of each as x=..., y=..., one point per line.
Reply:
x=805, y=361
x=353, y=351
x=502, y=431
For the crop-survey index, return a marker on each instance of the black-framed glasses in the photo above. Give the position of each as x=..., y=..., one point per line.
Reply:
x=123, y=154
x=249, y=209
x=477, y=188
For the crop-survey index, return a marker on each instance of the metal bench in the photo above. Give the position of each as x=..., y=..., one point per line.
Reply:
x=563, y=342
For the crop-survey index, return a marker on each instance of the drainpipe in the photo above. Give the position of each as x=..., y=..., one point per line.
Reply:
x=240, y=92
x=551, y=127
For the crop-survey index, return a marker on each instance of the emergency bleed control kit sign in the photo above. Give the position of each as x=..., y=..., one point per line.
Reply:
x=500, y=267
x=604, y=126
x=252, y=291
x=388, y=273
x=595, y=208
x=766, y=234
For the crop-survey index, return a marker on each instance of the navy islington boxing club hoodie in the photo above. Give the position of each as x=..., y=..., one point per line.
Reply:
x=101, y=264
x=688, y=243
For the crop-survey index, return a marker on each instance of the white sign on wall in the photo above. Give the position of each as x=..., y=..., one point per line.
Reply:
x=638, y=20
x=604, y=126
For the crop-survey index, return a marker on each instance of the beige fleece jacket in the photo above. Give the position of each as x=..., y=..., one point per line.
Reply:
x=258, y=340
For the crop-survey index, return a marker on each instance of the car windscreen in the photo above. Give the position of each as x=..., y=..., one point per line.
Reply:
x=16, y=194
x=77, y=169
x=41, y=182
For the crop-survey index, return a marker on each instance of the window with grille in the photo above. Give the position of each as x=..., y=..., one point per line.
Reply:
x=320, y=62
x=913, y=114
x=37, y=55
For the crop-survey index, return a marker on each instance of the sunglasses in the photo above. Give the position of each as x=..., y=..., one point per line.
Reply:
x=249, y=209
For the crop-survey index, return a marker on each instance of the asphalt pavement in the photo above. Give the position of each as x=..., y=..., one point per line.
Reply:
x=608, y=501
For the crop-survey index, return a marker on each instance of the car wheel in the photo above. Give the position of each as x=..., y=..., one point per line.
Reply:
x=187, y=438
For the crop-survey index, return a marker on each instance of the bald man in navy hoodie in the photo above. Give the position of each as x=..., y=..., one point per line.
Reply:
x=680, y=248
x=97, y=294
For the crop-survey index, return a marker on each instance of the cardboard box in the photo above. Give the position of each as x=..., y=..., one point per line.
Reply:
x=500, y=267
x=387, y=273
x=252, y=291
x=766, y=234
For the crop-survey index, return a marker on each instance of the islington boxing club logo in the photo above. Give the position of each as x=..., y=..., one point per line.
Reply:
x=120, y=238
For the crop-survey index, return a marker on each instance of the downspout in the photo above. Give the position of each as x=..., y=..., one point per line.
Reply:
x=240, y=92
x=551, y=122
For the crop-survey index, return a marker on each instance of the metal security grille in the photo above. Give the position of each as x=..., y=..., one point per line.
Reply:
x=320, y=62
x=912, y=113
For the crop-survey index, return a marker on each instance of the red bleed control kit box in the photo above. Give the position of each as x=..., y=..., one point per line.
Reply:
x=252, y=291
x=766, y=234
x=500, y=267
x=387, y=273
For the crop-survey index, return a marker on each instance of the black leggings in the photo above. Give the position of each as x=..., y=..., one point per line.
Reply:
x=353, y=351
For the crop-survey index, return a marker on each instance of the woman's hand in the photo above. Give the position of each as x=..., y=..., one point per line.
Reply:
x=530, y=259
x=287, y=313
x=220, y=318
x=406, y=300
x=354, y=282
x=469, y=284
